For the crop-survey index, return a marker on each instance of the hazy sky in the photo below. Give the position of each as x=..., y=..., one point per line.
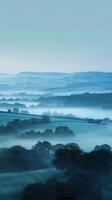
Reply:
x=55, y=35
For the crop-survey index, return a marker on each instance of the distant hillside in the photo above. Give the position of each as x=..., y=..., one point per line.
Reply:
x=58, y=82
x=40, y=73
x=103, y=100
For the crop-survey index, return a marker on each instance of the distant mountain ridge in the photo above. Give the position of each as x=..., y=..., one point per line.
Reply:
x=65, y=73
x=25, y=73
x=58, y=82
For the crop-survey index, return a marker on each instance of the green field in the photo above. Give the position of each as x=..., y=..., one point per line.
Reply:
x=6, y=117
x=87, y=135
x=78, y=126
x=12, y=184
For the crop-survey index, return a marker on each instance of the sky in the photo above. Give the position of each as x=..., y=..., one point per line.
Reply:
x=55, y=35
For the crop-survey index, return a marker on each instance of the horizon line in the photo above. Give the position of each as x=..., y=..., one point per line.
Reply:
x=54, y=72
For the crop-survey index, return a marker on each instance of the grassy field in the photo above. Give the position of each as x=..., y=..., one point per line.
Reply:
x=6, y=117
x=87, y=135
x=78, y=126
x=12, y=184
